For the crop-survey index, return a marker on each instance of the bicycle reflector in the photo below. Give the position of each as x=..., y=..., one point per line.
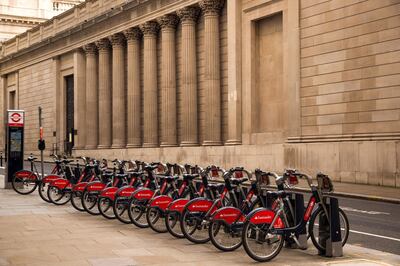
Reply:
x=324, y=183
x=293, y=180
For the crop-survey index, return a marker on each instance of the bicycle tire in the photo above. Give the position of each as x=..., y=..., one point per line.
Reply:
x=76, y=200
x=311, y=228
x=174, y=228
x=157, y=224
x=58, y=200
x=91, y=209
x=15, y=184
x=247, y=235
x=43, y=189
x=107, y=208
x=215, y=229
x=118, y=211
x=137, y=212
x=189, y=234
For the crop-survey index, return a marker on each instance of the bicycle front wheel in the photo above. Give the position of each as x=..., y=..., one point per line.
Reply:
x=156, y=219
x=58, y=196
x=43, y=190
x=260, y=244
x=172, y=223
x=76, y=200
x=105, y=206
x=137, y=213
x=313, y=227
x=224, y=236
x=24, y=182
x=89, y=202
x=194, y=226
x=120, y=208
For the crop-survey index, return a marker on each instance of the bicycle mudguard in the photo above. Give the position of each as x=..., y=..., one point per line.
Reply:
x=177, y=205
x=229, y=215
x=199, y=205
x=60, y=183
x=109, y=192
x=80, y=186
x=126, y=191
x=143, y=194
x=264, y=216
x=95, y=186
x=51, y=178
x=26, y=174
x=161, y=201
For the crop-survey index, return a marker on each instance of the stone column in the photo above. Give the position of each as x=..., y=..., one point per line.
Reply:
x=92, y=97
x=80, y=98
x=234, y=8
x=118, y=92
x=212, y=131
x=150, y=138
x=133, y=36
x=168, y=81
x=3, y=81
x=105, y=112
x=188, y=17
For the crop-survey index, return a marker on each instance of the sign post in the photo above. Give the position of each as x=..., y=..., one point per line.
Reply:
x=41, y=142
x=15, y=144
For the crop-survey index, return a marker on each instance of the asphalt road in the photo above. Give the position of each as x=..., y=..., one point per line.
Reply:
x=373, y=224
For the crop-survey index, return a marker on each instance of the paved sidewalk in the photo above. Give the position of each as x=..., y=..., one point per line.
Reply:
x=33, y=232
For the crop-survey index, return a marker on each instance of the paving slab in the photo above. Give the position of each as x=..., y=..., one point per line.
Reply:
x=59, y=235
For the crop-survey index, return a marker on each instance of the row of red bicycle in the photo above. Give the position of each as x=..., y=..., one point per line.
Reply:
x=227, y=207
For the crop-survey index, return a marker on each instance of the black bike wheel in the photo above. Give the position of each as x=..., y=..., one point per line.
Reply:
x=313, y=227
x=89, y=202
x=137, y=213
x=120, y=208
x=43, y=190
x=260, y=245
x=24, y=185
x=76, y=200
x=156, y=219
x=105, y=206
x=172, y=223
x=194, y=227
x=224, y=237
x=58, y=196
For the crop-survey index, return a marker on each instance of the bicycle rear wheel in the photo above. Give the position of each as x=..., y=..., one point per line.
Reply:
x=224, y=237
x=313, y=227
x=260, y=244
x=89, y=202
x=24, y=182
x=194, y=227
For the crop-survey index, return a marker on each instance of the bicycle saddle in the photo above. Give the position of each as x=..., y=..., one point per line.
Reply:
x=171, y=178
x=31, y=159
x=277, y=194
x=121, y=175
x=150, y=167
x=216, y=187
x=108, y=173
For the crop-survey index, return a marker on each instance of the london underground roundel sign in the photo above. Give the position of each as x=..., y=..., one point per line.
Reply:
x=15, y=118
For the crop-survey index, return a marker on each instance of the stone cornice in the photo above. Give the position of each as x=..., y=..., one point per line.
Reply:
x=211, y=7
x=168, y=21
x=133, y=34
x=150, y=28
x=188, y=14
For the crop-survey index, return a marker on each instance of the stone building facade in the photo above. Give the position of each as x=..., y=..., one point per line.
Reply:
x=310, y=84
x=19, y=16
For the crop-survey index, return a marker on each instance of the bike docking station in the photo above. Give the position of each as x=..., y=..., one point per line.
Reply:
x=329, y=230
x=15, y=144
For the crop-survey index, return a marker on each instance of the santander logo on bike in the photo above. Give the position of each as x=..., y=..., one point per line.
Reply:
x=268, y=217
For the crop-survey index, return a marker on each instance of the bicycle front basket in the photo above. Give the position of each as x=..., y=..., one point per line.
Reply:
x=324, y=183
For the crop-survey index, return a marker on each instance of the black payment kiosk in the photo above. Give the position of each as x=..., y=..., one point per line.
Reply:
x=15, y=143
